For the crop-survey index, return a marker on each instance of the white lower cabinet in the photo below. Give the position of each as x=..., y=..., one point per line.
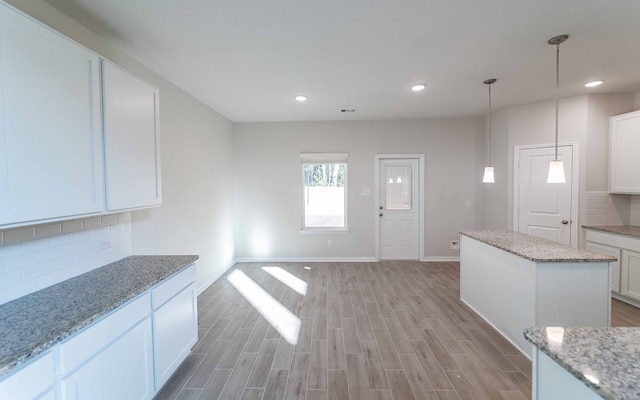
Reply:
x=112, y=359
x=175, y=324
x=631, y=274
x=33, y=381
x=121, y=371
x=615, y=266
x=129, y=354
x=627, y=269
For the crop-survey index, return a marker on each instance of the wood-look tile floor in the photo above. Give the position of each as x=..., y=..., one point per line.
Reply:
x=375, y=331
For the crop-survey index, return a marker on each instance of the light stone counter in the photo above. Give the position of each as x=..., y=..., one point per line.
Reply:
x=34, y=323
x=534, y=248
x=603, y=359
x=624, y=230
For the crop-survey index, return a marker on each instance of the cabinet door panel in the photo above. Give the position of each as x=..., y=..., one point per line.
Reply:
x=624, y=162
x=131, y=140
x=31, y=380
x=631, y=274
x=123, y=370
x=614, y=266
x=175, y=331
x=50, y=136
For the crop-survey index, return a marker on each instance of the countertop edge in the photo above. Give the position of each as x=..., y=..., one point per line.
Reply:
x=575, y=373
x=541, y=243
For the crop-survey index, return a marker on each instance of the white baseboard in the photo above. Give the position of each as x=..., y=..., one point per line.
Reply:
x=211, y=280
x=440, y=259
x=307, y=259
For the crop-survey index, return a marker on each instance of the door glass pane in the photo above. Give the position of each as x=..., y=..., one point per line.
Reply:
x=397, y=180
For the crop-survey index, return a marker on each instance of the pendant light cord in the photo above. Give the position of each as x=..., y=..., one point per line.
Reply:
x=489, y=141
x=557, y=92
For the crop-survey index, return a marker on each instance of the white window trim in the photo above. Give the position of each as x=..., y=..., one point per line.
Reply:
x=325, y=158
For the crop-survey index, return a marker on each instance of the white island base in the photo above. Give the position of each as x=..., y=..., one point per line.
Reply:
x=512, y=293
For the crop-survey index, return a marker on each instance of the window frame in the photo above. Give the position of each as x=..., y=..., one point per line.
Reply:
x=318, y=159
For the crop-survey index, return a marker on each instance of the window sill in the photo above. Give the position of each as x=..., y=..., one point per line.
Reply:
x=324, y=231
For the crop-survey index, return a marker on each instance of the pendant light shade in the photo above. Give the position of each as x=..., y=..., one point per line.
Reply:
x=556, y=167
x=488, y=176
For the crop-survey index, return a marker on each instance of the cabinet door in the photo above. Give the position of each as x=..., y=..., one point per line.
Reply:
x=630, y=283
x=624, y=162
x=50, y=124
x=33, y=381
x=614, y=266
x=175, y=331
x=123, y=370
x=131, y=140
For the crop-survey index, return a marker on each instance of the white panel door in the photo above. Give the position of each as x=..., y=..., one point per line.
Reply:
x=50, y=124
x=399, y=205
x=544, y=209
x=131, y=140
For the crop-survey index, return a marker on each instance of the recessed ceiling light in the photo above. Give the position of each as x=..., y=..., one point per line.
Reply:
x=418, y=87
x=594, y=83
x=301, y=98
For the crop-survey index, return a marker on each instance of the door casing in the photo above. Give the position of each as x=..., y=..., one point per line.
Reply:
x=421, y=180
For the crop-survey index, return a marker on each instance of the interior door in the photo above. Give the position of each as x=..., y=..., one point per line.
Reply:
x=544, y=209
x=399, y=205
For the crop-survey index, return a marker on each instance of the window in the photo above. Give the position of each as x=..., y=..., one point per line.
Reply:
x=324, y=185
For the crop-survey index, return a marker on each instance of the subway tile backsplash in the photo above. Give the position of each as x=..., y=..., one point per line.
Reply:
x=604, y=208
x=32, y=258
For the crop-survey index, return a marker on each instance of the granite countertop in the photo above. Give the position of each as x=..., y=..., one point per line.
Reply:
x=534, y=248
x=34, y=323
x=625, y=230
x=604, y=359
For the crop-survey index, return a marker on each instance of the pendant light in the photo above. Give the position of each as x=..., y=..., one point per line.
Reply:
x=556, y=167
x=488, y=170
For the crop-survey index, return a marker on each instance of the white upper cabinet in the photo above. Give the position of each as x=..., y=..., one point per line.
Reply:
x=51, y=162
x=624, y=159
x=132, y=153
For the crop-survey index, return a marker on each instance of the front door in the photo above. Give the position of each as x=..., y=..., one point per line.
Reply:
x=544, y=209
x=399, y=205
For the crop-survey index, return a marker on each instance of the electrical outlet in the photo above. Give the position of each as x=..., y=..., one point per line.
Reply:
x=454, y=245
x=329, y=242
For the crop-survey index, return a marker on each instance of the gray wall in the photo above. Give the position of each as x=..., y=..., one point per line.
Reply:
x=268, y=183
x=583, y=119
x=197, y=177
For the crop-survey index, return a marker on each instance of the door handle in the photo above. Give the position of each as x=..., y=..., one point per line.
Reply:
x=380, y=214
x=564, y=222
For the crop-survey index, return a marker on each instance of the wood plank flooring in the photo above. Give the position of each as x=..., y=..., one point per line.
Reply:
x=374, y=331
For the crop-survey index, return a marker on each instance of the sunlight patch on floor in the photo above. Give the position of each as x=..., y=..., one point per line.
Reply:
x=288, y=279
x=281, y=319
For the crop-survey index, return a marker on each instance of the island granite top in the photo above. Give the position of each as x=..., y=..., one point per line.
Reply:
x=624, y=230
x=36, y=322
x=535, y=249
x=604, y=359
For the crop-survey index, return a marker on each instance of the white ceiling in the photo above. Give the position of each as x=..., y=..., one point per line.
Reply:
x=248, y=59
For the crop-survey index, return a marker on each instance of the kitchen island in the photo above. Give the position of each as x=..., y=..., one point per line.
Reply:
x=515, y=281
x=585, y=363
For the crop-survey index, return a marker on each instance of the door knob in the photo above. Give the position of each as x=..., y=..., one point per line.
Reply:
x=380, y=214
x=564, y=222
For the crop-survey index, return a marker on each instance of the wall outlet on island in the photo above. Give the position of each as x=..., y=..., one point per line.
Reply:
x=454, y=244
x=330, y=242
